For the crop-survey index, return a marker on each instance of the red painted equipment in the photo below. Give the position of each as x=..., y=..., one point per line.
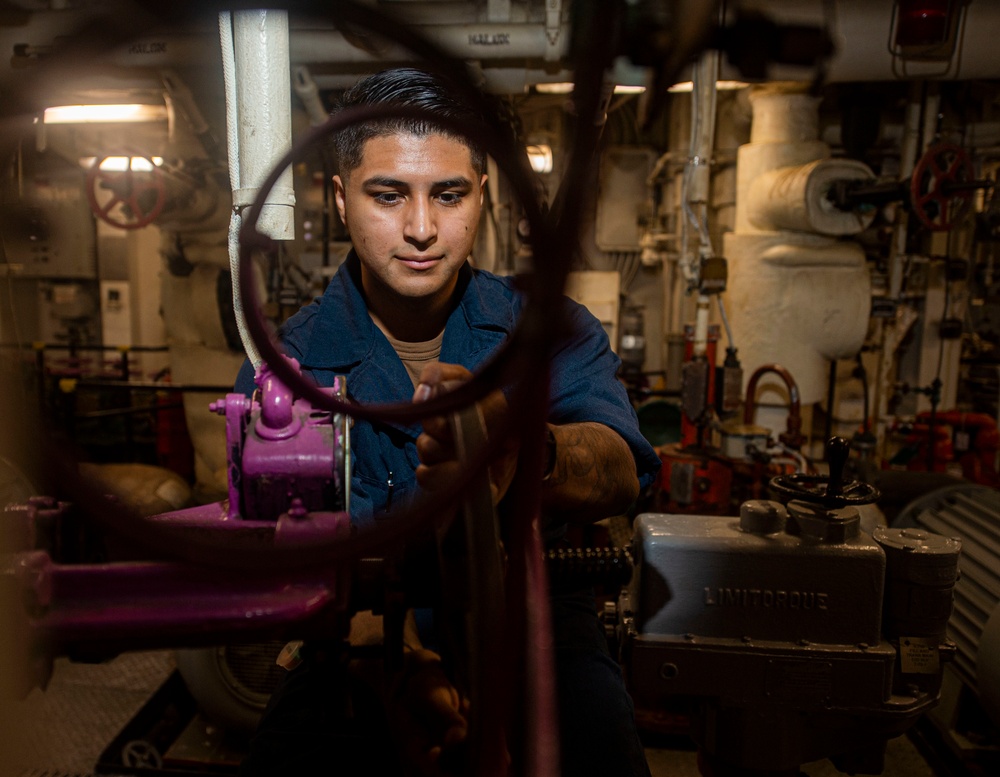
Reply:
x=793, y=428
x=974, y=441
x=698, y=388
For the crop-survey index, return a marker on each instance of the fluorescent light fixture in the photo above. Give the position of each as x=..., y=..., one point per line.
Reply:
x=540, y=158
x=94, y=114
x=565, y=87
x=559, y=87
x=121, y=163
x=722, y=86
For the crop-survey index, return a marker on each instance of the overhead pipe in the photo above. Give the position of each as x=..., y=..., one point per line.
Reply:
x=465, y=41
x=177, y=91
x=495, y=80
x=498, y=10
x=474, y=41
x=860, y=31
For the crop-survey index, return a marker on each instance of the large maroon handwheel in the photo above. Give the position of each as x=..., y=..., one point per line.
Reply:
x=137, y=198
x=940, y=187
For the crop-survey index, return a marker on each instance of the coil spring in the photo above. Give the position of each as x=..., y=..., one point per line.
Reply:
x=575, y=568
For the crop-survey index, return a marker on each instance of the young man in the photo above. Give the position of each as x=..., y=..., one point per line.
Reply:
x=407, y=313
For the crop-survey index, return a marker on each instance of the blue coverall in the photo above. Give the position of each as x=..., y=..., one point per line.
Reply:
x=334, y=335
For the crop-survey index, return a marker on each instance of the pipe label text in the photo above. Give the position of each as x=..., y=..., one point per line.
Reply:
x=489, y=39
x=147, y=48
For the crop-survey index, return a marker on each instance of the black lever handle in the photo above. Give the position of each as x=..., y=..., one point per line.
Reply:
x=831, y=490
x=837, y=451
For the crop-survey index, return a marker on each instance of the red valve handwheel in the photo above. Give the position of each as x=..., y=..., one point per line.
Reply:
x=937, y=207
x=131, y=189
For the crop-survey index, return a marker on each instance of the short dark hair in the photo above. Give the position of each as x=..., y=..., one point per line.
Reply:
x=412, y=88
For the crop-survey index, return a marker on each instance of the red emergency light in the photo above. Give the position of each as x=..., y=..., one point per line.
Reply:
x=926, y=30
x=922, y=22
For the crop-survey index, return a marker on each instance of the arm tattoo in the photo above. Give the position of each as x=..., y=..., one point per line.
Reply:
x=594, y=471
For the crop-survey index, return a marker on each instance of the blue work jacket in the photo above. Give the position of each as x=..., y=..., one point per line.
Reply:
x=334, y=335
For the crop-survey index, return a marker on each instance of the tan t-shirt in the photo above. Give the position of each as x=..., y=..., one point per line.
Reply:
x=415, y=356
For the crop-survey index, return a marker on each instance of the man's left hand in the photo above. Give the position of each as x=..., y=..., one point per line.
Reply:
x=428, y=714
x=439, y=465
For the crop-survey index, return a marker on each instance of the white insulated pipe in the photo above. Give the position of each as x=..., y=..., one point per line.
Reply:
x=784, y=113
x=907, y=161
x=257, y=78
x=796, y=296
x=308, y=93
x=892, y=331
x=704, y=101
x=697, y=180
x=264, y=111
x=477, y=41
x=784, y=133
x=699, y=347
x=495, y=80
x=795, y=198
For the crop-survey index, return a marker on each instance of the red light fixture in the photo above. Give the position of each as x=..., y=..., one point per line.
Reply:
x=922, y=23
x=925, y=31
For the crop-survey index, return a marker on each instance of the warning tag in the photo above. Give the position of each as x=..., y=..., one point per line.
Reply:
x=919, y=655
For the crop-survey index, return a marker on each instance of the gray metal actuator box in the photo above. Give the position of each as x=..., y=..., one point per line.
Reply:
x=708, y=576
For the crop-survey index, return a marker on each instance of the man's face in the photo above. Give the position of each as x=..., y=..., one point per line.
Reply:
x=412, y=207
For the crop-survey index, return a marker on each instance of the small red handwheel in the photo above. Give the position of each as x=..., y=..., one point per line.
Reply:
x=137, y=196
x=940, y=187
